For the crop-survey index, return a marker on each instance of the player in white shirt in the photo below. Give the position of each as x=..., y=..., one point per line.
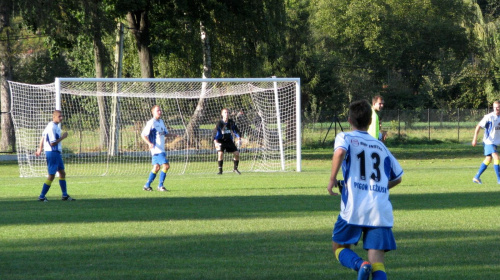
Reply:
x=154, y=134
x=491, y=140
x=369, y=171
x=50, y=142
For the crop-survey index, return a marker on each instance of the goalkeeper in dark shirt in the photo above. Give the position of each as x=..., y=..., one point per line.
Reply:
x=223, y=140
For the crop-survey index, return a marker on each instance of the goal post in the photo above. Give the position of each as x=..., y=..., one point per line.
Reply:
x=105, y=116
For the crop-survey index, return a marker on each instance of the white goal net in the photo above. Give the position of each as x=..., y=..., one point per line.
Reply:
x=104, y=119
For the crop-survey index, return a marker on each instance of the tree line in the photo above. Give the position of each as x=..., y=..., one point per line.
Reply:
x=416, y=53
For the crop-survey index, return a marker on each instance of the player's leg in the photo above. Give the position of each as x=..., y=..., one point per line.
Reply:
x=46, y=187
x=152, y=176
x=163, y=175
x=62, y=178
x=231, y=148
x=62, y=184
x=350, y=259
x=220, y=160
x=486, y=162
x=52, y=169
x=236, y=161
x=496, y=161
x=344, y=235
x=377, y=241
x=376, y=257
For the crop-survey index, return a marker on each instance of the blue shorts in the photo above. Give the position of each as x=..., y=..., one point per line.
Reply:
x=377, y=238
x=54, y=162
x=489, y=149
x=160, y=159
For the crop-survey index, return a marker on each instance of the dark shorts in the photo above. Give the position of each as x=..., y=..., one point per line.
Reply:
x=228, y=146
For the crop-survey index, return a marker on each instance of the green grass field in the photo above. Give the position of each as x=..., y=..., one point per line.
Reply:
x=253, y=226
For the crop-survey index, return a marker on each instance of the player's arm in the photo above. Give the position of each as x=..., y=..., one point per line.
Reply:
x=215, y=136
x=476, y=132
x=394, y=183
x=337, y=158
x=236, y=130
x=168, y=134
x=171, y=135
x=40, y=147
x=145, y=135
x=237, y=133
x=146, y=139
x=63, y=136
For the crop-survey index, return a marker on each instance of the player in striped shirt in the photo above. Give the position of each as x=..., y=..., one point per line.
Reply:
x=491, y=140
x=369, y=171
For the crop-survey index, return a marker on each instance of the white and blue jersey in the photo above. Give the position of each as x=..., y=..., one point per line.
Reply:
x=367, y=168
x=156, y=131
x=51, y=133
x=491, y=125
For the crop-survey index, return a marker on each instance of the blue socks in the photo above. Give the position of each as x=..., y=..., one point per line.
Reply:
x=497, y=171
x=45, y=188
x=47, y=184
x=482, y=168
x=349, y=258
x=151, y=178
x=163, y=175
x=379, y=275
x=62, y=183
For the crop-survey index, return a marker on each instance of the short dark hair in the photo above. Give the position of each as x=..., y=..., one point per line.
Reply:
x=376, y=98
x=360, y=113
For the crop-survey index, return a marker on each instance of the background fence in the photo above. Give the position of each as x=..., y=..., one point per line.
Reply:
x=401, y=125
x=456, y=125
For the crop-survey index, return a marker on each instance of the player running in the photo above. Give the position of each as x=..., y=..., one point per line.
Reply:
x=223, y=140
x=369, y=171
x=491, y=140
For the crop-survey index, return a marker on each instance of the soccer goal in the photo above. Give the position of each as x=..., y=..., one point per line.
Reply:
x=104, y=119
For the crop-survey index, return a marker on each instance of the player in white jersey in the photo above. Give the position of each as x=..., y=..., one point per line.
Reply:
x=51, y=144
x=154, y=134
x=491, y=140
x=369, y=171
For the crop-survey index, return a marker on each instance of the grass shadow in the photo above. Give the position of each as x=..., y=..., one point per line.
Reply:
x=18, y=212
x=266, y=255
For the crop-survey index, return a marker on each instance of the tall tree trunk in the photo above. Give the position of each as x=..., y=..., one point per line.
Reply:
x=99, y=57
x=8, y=140
x=194, y=123
x=101, y=101
x=138, y=22
x=207, y=56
